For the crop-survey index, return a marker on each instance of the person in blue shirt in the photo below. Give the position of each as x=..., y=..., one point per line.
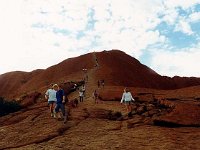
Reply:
x=60, y=103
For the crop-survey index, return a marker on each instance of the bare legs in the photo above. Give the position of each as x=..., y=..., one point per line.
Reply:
x=51, y=107
x=128, y=108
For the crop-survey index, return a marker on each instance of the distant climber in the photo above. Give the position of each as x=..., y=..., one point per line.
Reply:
x=102, y=83
x=83, y=89
x=76, y=102
x=96, y=96
x=81, y=95
x=51, y=96
x=73, y=103
x=98, y=84
x=126, y=99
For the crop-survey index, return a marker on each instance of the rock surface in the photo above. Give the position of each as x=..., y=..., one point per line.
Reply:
x=106, y=125
x=111, y=69
x=183, y=114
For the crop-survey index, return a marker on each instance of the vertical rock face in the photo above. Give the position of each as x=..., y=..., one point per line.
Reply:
x=115, y=67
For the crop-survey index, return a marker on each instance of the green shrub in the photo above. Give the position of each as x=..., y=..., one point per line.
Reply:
x=7, y=107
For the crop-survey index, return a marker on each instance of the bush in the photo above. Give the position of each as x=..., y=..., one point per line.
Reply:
x=7, y=107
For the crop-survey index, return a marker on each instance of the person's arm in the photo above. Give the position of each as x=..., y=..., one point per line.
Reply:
x=132, y=98
x=63, y=96
x=63, y=99
x=46, y=95
x=93, y=94
x=122, y=98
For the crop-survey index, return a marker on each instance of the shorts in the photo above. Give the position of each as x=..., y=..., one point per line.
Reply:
x=60, y=106
x=127, y=102
x=51, y=102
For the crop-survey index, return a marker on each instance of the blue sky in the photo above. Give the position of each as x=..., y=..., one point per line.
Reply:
x=162, y=34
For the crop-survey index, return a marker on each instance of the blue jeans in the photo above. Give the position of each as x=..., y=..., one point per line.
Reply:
x=60, y=106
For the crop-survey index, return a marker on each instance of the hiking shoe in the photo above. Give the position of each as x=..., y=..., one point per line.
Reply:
x=65, y=119
x=52, y=114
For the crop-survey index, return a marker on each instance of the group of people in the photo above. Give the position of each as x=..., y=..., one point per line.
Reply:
x=56, y=101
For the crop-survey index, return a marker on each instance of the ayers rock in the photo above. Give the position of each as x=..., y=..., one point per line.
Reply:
x=116, y=68
x=162, y=104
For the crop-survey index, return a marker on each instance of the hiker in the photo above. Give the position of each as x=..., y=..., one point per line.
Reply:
x=60, y=104
x=102, y=83
x=126, y=99
x=51, y=96
x=98, y=83
x=96, y=96
x=83, y=89
x=81, y=95
x=75, y=102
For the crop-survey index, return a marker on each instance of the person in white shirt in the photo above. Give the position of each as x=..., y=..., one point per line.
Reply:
x=83, y=89
x=126, y=99
x=81, y=95
x=51, y=96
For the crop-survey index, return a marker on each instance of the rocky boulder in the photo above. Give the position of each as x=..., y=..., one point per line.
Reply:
x=145, y=97
x=29, y=99
x=111, y=95
x=183, y=114
x=100, y=113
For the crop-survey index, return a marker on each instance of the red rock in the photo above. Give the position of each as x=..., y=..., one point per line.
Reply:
x=89, y=124
x=99, y=113
x=145, y=97
x=113, y=66
x=30, y=99
x=135, y=121
x=183, y=114
x=141, y=109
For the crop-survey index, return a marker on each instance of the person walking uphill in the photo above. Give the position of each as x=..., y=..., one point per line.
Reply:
x=96, y=97
x=81, y=95
x=51, y=96
x=127, y=98
x=60, y=96
x=99, y=84
x=83, y=89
